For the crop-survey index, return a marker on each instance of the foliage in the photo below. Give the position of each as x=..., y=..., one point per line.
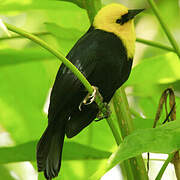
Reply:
x=27, y=73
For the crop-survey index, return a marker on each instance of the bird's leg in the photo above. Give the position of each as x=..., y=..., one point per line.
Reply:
x=101, y=116
x=89, y=98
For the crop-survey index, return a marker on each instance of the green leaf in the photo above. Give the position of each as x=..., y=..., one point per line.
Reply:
x=13, y=56
x=38, y=4
x=82, y=152
x=77, y=2
x=142, y=123
x=71, y=151
x=160, y=69
x=163, y=139
x=24, y=89
x=66, y=37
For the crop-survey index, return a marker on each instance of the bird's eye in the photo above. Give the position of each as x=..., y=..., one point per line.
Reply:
x=119, y=21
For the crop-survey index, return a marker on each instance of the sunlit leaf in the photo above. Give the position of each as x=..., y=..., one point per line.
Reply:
x=66, y=37
x=77, y=2
x=13, y=56
x=38, y=4
x=24, y=89
x=163, y=139
x=142, y=123
x=71, y=151
x=159, y=69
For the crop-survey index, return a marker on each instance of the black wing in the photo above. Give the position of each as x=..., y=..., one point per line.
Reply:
x=67, y=89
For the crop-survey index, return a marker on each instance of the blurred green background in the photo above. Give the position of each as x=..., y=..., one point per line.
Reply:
x=27, y=74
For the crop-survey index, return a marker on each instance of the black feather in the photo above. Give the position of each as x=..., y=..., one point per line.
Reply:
x=49, y=150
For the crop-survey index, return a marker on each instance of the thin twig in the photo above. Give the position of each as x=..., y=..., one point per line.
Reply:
x=163, y=168
x=167, y=117
x=155, y=44
x=165, y=27
x=21, y=37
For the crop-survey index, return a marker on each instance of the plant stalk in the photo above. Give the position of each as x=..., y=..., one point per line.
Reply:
x=163, y=168
x=126, y=127
x=21, y=37
x=114, y=130
x=155, y=44
x=165, y=27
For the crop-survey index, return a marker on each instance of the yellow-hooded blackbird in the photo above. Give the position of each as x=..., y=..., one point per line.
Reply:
x=104, y=55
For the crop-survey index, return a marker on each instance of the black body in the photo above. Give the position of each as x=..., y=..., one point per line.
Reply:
x=102, y=58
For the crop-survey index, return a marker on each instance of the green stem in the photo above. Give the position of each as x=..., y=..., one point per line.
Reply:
x=123, y=112
x=155, y=44
x=114, y=130
x=135, y=113
x=125, y=166
x=165, y=27
x=126, y=127
x=163, y=168
x=20, y=37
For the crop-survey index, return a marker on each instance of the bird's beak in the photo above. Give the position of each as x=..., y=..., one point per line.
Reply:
x=133, y=12
x=130, y=15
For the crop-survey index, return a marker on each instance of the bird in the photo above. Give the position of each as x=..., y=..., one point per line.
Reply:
x=104, y=55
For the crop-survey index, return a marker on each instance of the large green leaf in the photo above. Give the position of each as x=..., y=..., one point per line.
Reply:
x=142, y=123
x=71, y=151
x=23, y=92
x=79, y=3
x=10, y=5
x=66, y=37
x=159, y=69
x=163, y=139
x=14, y=56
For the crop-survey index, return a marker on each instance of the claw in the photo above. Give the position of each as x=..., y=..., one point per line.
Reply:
x=80, y=105
x=92, y=97
x=89, y=98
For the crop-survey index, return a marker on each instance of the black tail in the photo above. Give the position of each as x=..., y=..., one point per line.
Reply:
x=49, y=150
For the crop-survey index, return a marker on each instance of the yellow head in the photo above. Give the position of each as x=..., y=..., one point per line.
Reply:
x=117, y=19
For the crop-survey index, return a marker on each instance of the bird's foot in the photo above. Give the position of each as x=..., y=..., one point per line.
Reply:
x=101, y=115
x=89, y=98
